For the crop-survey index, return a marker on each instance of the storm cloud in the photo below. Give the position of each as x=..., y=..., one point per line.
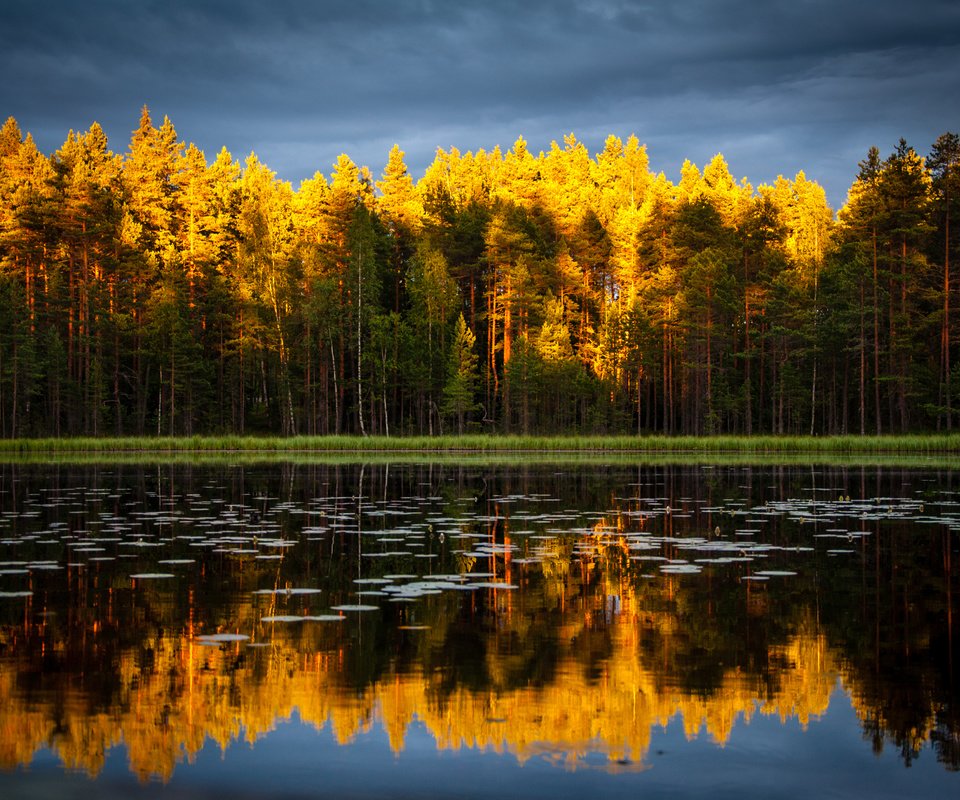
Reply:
x=777, y=86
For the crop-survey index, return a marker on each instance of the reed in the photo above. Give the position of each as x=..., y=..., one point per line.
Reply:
x=490, y=459
x=483, y=443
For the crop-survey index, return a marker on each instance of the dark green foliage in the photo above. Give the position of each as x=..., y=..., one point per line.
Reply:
x=460, y=390
x=159, y=294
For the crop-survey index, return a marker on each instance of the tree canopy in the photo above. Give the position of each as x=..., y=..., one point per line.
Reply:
x=160, y=292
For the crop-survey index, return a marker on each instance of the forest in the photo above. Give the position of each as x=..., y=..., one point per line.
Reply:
x=160, y=293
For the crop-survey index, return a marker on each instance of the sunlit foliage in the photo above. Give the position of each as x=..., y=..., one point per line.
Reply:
x=159, y=293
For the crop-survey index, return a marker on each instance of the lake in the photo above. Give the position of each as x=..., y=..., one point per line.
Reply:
x=473, y=630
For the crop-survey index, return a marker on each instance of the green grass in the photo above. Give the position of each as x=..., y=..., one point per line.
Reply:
x=920, y=444
x=918, y=451
x=487, y=460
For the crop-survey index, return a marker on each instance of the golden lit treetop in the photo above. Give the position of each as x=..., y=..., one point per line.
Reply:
x=398, y=201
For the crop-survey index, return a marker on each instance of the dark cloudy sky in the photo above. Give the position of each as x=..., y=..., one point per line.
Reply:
x=775, y=85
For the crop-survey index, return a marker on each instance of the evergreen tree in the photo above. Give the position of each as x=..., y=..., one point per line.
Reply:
x=158, y=292
x=459, y=392
x=401, y=211
x=944, y=165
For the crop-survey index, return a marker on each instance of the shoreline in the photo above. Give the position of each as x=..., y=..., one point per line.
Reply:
x=892, y=448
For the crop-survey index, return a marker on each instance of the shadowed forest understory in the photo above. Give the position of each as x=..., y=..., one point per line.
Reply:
x=160, y=293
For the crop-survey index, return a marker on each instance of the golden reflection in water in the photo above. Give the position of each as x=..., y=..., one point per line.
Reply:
x=164, y=708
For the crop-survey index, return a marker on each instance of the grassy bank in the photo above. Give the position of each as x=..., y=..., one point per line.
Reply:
x=492, y=459
x=921, y=444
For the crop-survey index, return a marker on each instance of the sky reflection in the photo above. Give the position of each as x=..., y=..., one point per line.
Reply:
x=542, y=640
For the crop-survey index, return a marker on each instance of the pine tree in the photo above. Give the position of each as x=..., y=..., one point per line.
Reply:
x=459, y=393
x=905, y=190
x=400, y=209
x=90, y=182
x=944, y=164
x=860, y=219
x=268, y=281
x=150, y=173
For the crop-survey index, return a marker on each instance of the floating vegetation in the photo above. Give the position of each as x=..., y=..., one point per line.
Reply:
x=681, y=569
x=437, y=544
x=775, y=573
x=222, y=638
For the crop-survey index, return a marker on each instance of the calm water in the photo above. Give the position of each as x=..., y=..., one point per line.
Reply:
x=473, y=631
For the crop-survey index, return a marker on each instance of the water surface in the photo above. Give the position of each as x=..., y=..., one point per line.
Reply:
x=419, y=630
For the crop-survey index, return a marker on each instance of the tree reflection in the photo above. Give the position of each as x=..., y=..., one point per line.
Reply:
x=591, y=651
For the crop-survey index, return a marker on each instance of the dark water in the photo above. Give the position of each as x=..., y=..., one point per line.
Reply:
x=474, y=631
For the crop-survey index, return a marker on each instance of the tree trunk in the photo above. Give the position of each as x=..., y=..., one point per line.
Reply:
x=876, y=339
x=945, y=347
x=748, y=396
x=336, y=390
x=710, y=423
x=363, y=431
x=863, y=365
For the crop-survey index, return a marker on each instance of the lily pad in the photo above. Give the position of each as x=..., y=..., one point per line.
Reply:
x=775, y=573
x=221, y=638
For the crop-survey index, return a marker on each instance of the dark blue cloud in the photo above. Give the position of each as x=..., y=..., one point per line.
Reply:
x=776, y=86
